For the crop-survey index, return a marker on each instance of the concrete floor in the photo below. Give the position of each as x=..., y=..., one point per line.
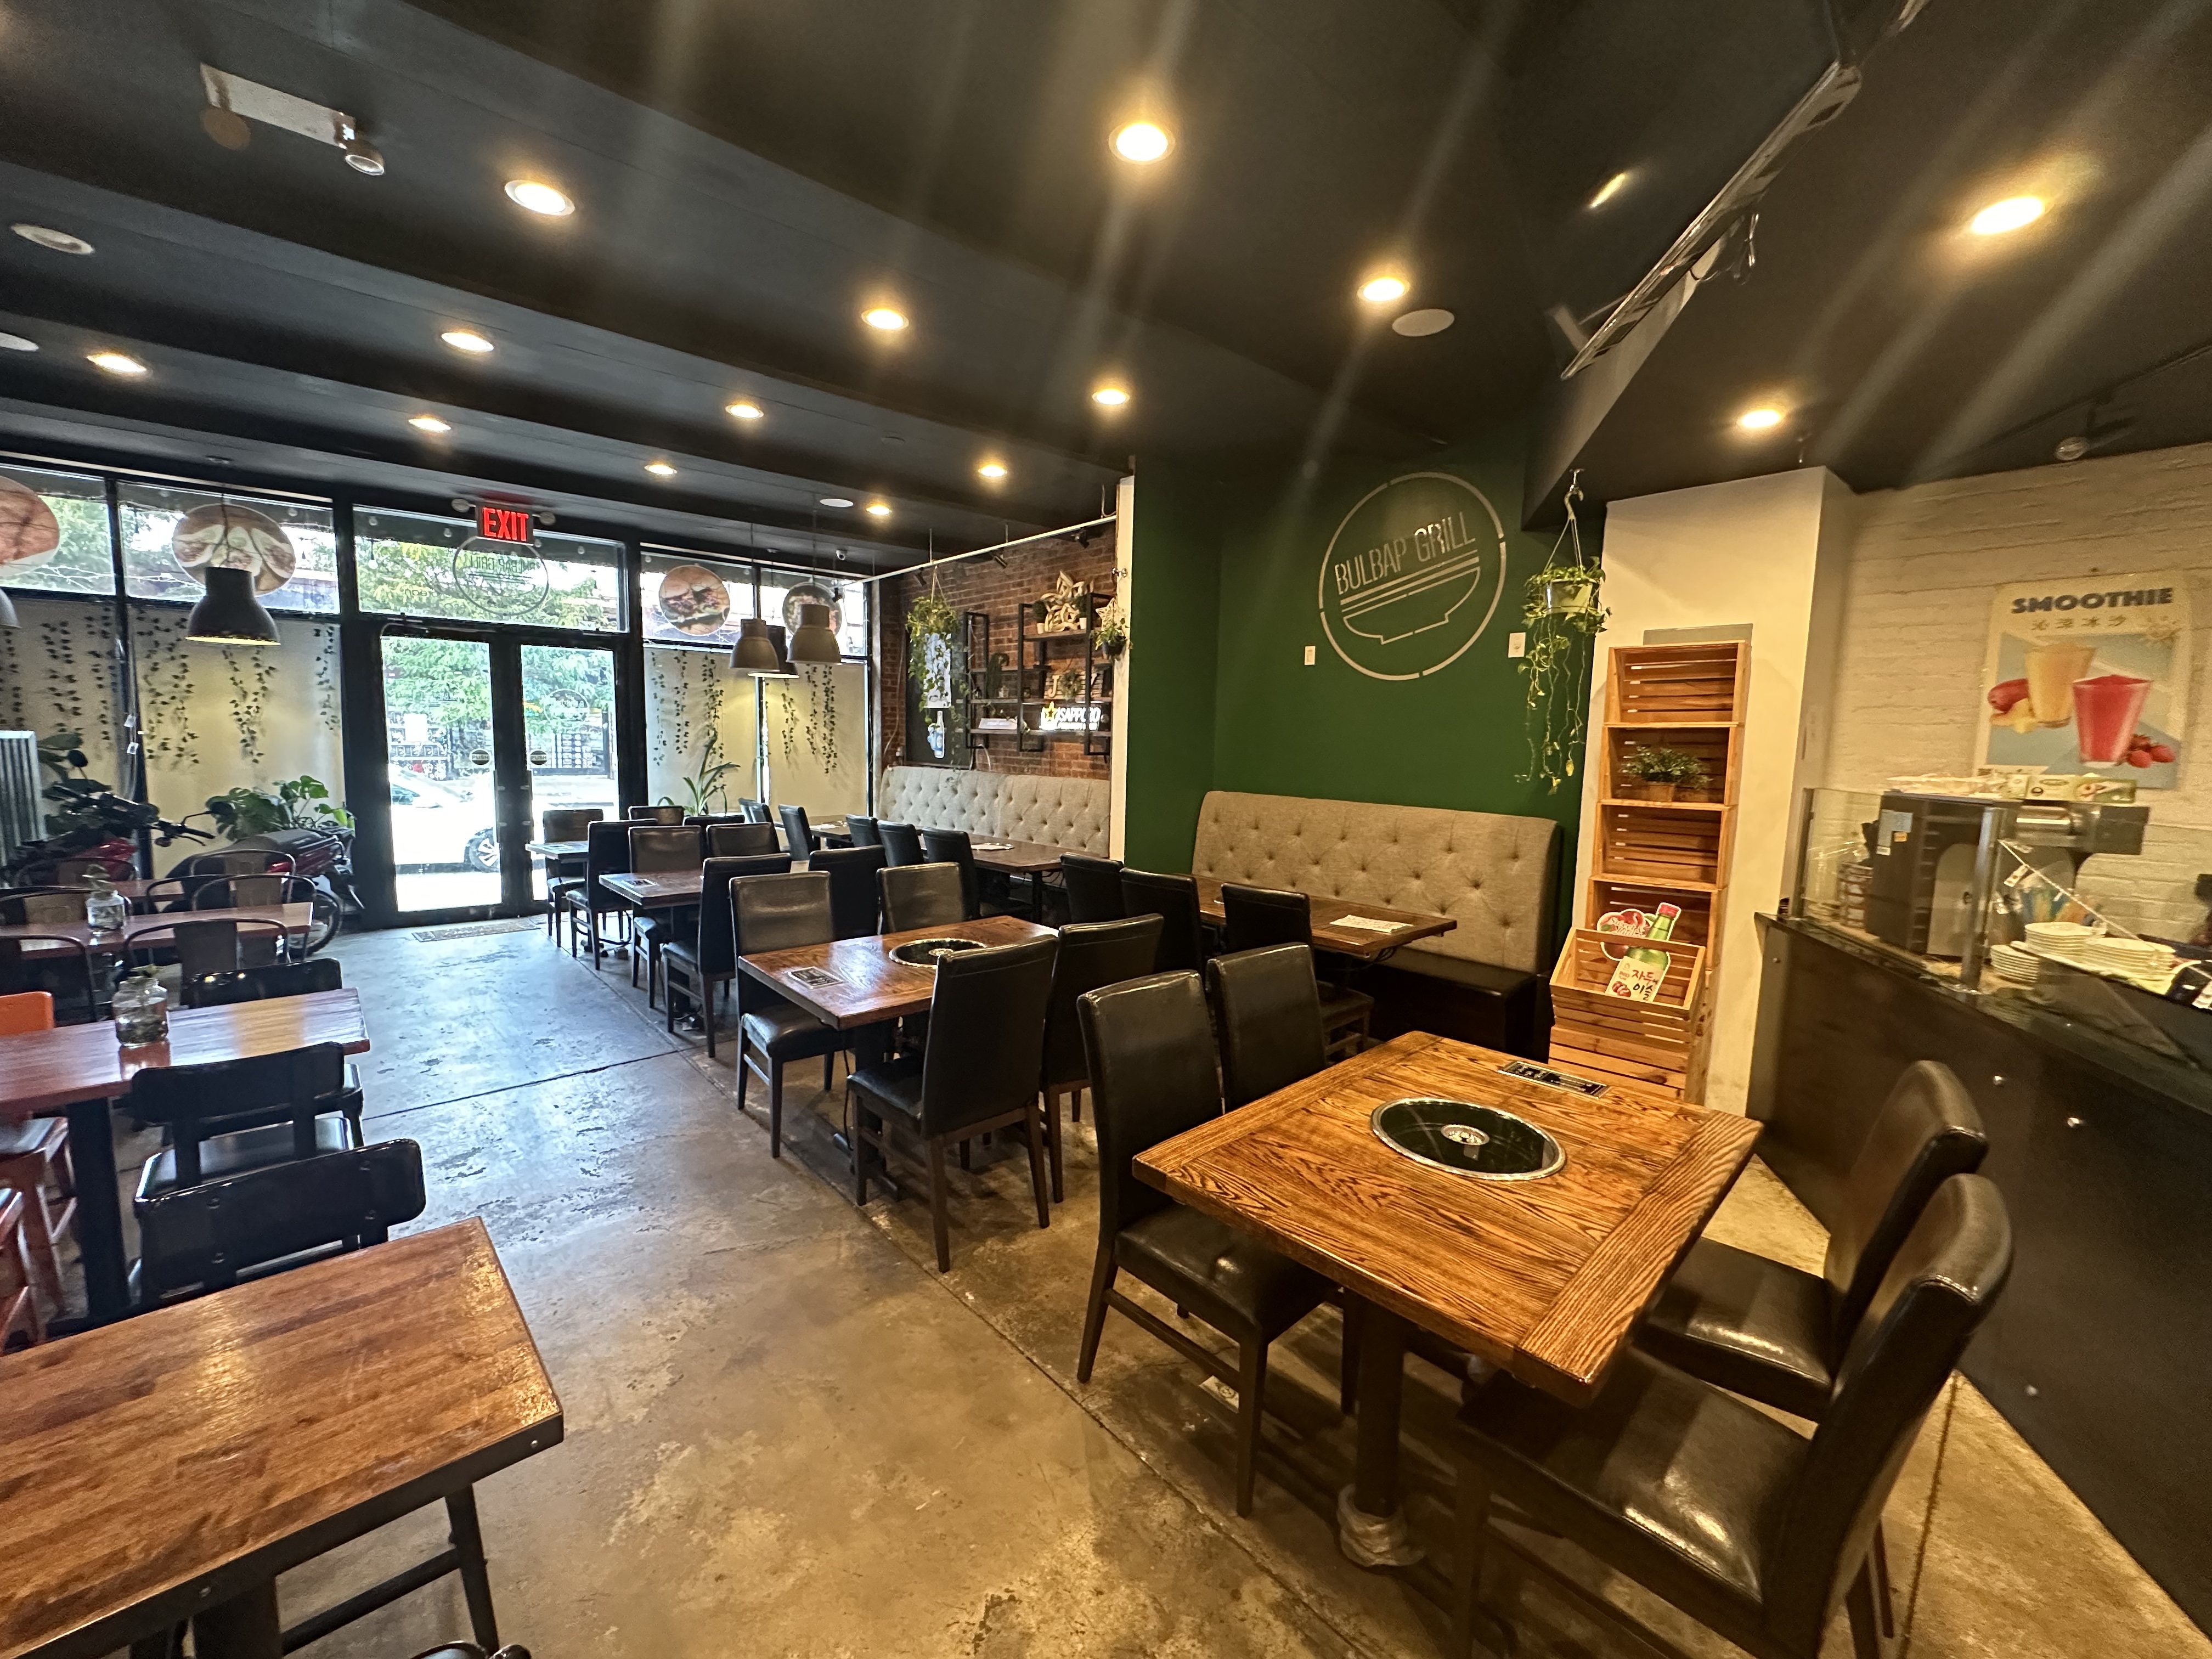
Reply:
x=786, y=1434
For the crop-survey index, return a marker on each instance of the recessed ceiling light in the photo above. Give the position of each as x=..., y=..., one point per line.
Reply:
x=465, y=339
x=1381, y=290
x=57, y=241
x=429, y=423
x=1414, y=324
x=116, y=362
x=1759, y=419
x=991, y=470
x=17, y=342
x=539, y=197
x=1142, y=141
x=1611, y=188
x=835, y=501
x=886, y=318
x=2011, y=214
x=1113, y=397
x=660, y=469
x=880, y=509
x=745, y=409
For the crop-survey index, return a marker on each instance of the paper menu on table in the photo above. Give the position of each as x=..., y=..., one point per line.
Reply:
x=1368, y=924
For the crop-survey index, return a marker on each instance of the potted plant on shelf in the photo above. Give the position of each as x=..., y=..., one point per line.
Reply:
x=1661, y=772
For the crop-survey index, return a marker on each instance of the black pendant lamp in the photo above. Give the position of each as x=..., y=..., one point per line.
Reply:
x=814, y=643
x=228, y=613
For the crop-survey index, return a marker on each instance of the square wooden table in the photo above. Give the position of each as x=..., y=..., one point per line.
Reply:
x=80, y=1070
x=1544, y=1278
x=296, y=921
x=865, y=985
x=1346, y=927
x=173, y=1465
x=1018, y=858
x=660, y=890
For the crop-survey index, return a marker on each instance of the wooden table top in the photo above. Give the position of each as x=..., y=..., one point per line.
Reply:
x=1017, y=858
x=246, y=1430
x=1329, y=931
x=44, y=1072
x=557, y=849
x=658, y=891
x=294, y=919
x=1544, y=1278
x=871, y=988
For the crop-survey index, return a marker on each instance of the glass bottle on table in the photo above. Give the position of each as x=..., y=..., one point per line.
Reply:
x=106, y=910
x=141, y=1007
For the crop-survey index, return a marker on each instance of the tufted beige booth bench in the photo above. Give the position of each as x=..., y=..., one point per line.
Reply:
x=1496, y=875
x=1071, y=813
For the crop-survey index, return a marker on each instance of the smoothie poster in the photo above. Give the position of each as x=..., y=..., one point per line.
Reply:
x=2090, y=675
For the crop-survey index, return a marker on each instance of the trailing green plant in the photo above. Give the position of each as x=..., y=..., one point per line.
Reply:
x=1109, y=633
x=932, y=618
x=1561, y=616
x=707, y=789
x=1676, y=765
x=87, y=819
x=300, y=803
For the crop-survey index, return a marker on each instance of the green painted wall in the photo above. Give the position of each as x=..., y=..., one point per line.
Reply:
x=1454, y=738
x=1174, y=642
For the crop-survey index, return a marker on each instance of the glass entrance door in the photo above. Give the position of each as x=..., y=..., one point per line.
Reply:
x=482, y=738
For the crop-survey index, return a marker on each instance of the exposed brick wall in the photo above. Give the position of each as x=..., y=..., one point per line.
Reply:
x=982, y=585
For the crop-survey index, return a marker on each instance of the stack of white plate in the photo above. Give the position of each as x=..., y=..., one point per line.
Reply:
x=2063, y=937
x=2129, y=957
x=2015, y=965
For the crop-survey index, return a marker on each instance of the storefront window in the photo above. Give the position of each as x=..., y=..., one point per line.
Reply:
x=783, y=591
x=54, y=532
x=687, y=600
x=170, y=536
x=701, y=730
x=408, y=564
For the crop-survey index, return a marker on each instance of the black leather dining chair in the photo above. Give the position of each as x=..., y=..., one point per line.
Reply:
x=1267, y=1009
x=797, y=834
x=655, y=848
x=862, y=829
x=921, y=895
x=707, y=961
x=1093, y=888
x=227, y=1116
x=1174, y=899
x=902, y=843
x=671, y=816
x=977, y=1072
x=1709, y=1502
x=606, y=853
x=709, y=820
x=1254, y=917
x=1091, y=954
x=741, y=838
x=779, y=912
x=564, y=876
x=952, y=847
x=1150, y=1055
x=281, y=979
x=856, y=894
x=756, y=812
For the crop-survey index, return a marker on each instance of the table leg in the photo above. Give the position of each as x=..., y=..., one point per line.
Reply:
x=1370, y=1528
x=99, y=1213
x=244, y=1627
x=1036, y=896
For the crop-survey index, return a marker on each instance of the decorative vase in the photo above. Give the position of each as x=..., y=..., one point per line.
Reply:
x=1659, y=791
x=106, y=910
x=141, y=1011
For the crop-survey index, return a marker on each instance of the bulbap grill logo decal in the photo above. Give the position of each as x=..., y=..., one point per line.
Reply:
x=1412, y=576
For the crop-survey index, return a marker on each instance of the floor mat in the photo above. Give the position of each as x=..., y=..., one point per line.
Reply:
x=477, y=930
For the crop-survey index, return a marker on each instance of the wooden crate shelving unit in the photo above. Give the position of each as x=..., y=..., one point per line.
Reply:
x=1647, y=853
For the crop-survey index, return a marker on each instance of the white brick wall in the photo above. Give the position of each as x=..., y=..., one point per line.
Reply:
x=1925, y=565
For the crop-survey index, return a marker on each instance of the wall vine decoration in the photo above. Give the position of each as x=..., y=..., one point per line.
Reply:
x=165, y=692
x=821, y=714
x=327, y=679
x=249, y=676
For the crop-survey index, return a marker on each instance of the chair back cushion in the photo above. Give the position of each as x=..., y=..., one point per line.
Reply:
x=1073, y=814
x=1941, y=1285
x=1927, y=1132
x=1094, y=887
x=862, y=829
x=1149, y=1048
x=1252, y=918
x=902, y=843
x=755, y=812
x=742, y=839
x=569, y=823
x=717, y=933
x=221, y=944
x=855, y=898
x=797, y=834
x=666, y=846
x=777, y=913
x=921, y=895
x=1494, y=874
x=1091, y=954
x=197, y=1101
x=606, y=853
x=1174, y=899
x=985, y=1033
x=953, y=847
x=667, y=815
x=1267, y=1009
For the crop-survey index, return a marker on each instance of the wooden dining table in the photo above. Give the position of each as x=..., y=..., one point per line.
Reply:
x=851, y=983
x=1345, y=926
x=296, y=920
x=79, y=1071
x=1018, y=858
x=174, y=1465
x=1544, y=1278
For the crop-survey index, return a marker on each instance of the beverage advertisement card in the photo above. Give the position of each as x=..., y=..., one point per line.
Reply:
x=2090, y=675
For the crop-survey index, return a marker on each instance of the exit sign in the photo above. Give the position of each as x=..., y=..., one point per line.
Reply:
x=503, y=524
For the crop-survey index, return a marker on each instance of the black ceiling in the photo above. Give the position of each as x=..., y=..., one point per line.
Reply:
x=748, y=177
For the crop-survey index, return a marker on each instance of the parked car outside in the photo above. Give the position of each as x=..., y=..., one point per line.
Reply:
x=438, y=826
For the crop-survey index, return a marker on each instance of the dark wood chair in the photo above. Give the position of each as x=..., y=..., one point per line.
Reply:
x=1091, y=954
x=219, y=944
x=902, y=843
x=921, y=895
x=21, y=1324
x=229, y=1116
x=702, y=964
x=34, y=1158
x=1255, y=917
x=779, y=912
x=1267, y=1009
x=564, y=876
x=1093, y=888
x=742, y=839
x=43, y=907
x=235, y=861
x=283, y=979
x=855, y=893
x=1713, y=1506
x=57, y=963
x=1150, y=1050
x=1174, y=899
x=977, y=1072
x=862, y=829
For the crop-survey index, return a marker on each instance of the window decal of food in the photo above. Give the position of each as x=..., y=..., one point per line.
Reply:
x=227, y=537
x=693, y=600
x=29, y=531
x=811, y=593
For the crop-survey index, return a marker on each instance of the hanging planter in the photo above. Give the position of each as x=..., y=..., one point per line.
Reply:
x=1563, y=614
